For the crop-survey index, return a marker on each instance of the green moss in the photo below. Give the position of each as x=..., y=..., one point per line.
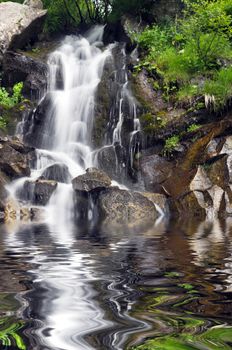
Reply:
x=193, y=127
x=151, y=123
x=171, y=143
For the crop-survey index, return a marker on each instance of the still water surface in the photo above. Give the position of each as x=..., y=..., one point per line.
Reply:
x=115, y=289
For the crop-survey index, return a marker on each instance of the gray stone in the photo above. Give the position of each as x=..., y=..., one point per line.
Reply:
x=123, y=207
x=155, y=170
x=93, y=179
x=18, y=25
x=36, y=4
x=14, y=159
x=17, y=67
x=37, y=192
x=57, y=172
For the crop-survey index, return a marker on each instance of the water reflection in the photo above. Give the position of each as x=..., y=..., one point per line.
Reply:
x=114, y=289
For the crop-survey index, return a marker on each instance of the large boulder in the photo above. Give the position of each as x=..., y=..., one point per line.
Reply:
x=93, y=179
x=96, y=201
x=17, y=67
x=57, y=172
x=123, y=207
x=19, y=24
x=37, y=192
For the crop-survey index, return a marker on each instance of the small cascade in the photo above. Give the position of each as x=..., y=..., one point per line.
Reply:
x=60, y=127
x=123, y=130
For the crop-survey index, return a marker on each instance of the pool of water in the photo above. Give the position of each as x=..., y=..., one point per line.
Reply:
x=168, y=287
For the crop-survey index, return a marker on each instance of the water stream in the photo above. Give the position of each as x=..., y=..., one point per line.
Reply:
x=64, y=287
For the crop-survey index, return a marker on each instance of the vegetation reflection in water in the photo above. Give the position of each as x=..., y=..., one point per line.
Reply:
x=186, y=313
x=180, y=297
x=11, y=336
x=184, y=332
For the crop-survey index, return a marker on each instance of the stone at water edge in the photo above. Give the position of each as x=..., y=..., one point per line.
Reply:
x=92, y=191
x=93, y=179
x=37, y=192
x=123, y=207
x=159, y=200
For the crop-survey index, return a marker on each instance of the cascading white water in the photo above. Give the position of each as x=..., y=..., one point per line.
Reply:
x=79, y=64
x=75, y=70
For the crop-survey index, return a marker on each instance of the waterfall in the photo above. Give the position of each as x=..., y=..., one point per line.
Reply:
x=75, y=72
x=61, y=126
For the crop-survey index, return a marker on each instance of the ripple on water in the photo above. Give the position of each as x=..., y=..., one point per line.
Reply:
x=167, y=288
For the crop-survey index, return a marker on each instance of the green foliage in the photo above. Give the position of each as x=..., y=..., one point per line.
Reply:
x=187, y=92
x=220, y=88
x=193, y=127
x=156, y=39
x=8, y=101
x=196, y=45
x=170, y=144
x=3, y=122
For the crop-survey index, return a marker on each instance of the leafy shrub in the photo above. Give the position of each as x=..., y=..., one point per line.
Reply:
x=197, y=45
x=8, y=101
x=187, y=92
x=170, y=144
x=220, y=88
x=156, y=39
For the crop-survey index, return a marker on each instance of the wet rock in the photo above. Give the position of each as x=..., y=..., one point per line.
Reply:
x=113, y=160
x=28, y=214
x=3, y=195
x=36, y=214
x=217, y=171
x=115, y=32
x=17, y=67
x=37, y=192
x=93, y=179
x=14, y=159
x=34, y=130
x=104, y=100
x=19, y=24
x=188, y=205
x=123, y=207
x=155, y=170
x=95, y=201
x=57, y=172
x=227, y=146
x=159, y=200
